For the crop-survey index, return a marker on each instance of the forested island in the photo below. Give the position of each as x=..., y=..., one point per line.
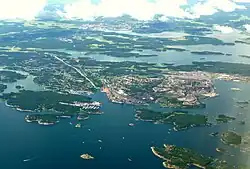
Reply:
x=224, y=118
x=183, y=158
x=43, y=119
x=231, y=138
x=245, y=56
x=207, y=53
x=179, y=120
x=59, y=104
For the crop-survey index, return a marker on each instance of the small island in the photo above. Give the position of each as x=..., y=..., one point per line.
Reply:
x=78, y=125
x=82, y=116
x=19, y=87
x=207, y=53
x=235, y=89
x=245, y=56
x=220, y=150
x=174, y=49
x=224, y=119
x=42, y=119
x=87, y=157
x=214, y=134
x=231, y=138
x=179, y=120
x=2, y=87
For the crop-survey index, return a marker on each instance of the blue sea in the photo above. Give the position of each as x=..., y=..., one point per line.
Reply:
x=61, y=145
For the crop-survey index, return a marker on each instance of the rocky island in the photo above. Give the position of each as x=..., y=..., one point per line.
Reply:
x=87, y=157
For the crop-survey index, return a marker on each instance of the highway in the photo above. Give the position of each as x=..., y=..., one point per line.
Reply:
x=77, y=70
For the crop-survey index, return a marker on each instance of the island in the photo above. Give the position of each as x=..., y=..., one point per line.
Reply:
x=182, y=158
x=168, y=48
x=179, y=120
x=214, y=134
x=242, y=122
x=3, y=87
x=43, y=119
x=19, y=87
x=221, y=150
x=59, y=104
x=231, y=138
x=224, y=119
x=235, y=89
x=78, y=125
x=82, y=116
x=87, y=157
x=243, y=42
x=245, y=56
x=207, y=53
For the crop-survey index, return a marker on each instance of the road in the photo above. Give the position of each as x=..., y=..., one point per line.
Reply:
x=77, y=70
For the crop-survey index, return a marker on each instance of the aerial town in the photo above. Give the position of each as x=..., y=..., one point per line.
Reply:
x=181, y=88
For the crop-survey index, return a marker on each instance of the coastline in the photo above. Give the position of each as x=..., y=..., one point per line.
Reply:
x=156, y=154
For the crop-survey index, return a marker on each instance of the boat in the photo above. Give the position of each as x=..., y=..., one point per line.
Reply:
x=235, y=89
x=129, y=159
x=78, y=125
x=27, y=160
x=131, y=124
x=100, y=141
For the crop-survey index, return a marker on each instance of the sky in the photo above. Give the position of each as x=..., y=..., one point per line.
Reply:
x=139, y=9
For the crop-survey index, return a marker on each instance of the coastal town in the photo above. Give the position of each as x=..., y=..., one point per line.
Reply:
x=184, y=88
x=131, y=80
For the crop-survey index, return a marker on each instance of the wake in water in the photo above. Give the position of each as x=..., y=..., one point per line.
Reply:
x=28, y=159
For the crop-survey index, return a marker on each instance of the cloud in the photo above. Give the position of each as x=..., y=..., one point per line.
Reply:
x=21, y=9
x=242, y=1
x=247, y=27
x=146, y=10
x=211, y=7
x=223, y=29
x=139, y=9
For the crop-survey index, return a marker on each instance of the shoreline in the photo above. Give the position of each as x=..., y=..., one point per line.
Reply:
x=156, y=154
